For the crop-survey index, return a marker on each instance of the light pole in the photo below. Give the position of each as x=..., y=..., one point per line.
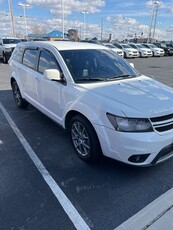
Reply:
x=11, y=17
x=155, y=20
x=62, y=5
x=84, y=13
x=24, y=15
x=154, y=12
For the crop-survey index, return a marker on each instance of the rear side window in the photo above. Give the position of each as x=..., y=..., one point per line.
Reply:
x=18, y=54
x=46, y=61
x=30, y=58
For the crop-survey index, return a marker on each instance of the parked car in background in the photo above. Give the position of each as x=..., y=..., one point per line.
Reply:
x=143, y=51
x=169, y=45
x=7, y=45
x=104, y=103
x=168, y=50
x=114, y=48
x=157, y=52
x=95, y=41
x=129, y=51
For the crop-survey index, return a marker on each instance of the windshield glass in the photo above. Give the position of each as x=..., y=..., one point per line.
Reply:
x=140, y=46
x=126, y=46
x=11, y=41
x=109, y=45
x=96, y=64
x=153, y=46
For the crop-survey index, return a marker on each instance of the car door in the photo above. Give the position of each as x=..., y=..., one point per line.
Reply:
x=28, y=74
x=49, y=92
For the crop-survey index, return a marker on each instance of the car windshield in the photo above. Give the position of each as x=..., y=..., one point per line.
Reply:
x=96, y=65
x=126, y=46
x=109, y=45
x=140, y=46
x=153, y=46
x=11, y=41
x=163, y=45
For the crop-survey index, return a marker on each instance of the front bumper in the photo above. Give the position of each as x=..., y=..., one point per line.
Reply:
x=122, y=146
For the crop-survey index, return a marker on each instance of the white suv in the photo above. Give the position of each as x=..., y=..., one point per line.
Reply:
x=157, y=52
x=107, y=106
x=7, y=45
x=143, y=51
x=114, y=48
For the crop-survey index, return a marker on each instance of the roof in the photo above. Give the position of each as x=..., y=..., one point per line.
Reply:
x=64, y=45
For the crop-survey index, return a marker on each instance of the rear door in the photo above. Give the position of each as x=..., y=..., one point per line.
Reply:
x=28, y=74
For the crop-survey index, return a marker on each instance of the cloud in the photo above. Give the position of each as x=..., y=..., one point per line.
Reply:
x=55, y=6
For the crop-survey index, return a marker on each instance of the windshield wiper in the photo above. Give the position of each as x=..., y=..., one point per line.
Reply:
x=89, y=79
x=120, y=77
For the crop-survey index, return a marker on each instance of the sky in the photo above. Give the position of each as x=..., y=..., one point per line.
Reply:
x=120, y=18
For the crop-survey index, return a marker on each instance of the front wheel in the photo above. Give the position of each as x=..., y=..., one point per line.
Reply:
x=21, y=103
x=5, y=60
x=84, y=139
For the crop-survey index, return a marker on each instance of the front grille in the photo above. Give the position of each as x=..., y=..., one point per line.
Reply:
x=162, y=124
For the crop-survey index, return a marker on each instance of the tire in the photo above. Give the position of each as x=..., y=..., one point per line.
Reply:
x=140, y=55
x=21, y=103
x=5, y=60
x=84, y=139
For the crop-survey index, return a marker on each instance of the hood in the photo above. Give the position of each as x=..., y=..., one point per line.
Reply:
x=145, y=49
x=135, y=97
x=157, y=49
x=117, y=49
x=9, y=46
x=131, y=49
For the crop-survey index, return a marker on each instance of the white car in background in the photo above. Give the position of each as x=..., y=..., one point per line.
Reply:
x=127, y=53
x=143, y=51
x=114, y=48
x=157, y=52
x=7, y=45
x=129, y=50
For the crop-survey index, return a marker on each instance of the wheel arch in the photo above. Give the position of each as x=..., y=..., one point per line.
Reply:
x=12, y=80
x=70, y=115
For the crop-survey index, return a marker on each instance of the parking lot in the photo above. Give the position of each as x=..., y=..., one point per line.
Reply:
x=44, y=185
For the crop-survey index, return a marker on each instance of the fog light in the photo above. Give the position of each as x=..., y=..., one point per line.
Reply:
x=138, y=158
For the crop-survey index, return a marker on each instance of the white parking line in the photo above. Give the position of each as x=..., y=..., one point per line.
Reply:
x=68, y=207
x=150, y=214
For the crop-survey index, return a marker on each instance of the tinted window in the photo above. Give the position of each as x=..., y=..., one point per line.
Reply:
x=46, y=61
x=18, y=54
x=29, y=58
x=11, y=41
x=96, y=64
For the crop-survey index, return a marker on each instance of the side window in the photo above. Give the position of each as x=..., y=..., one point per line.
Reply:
x=29, y=58
x=18, y=54
x=46, y=61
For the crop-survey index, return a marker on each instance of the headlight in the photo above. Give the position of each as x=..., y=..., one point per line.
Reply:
x=124, y=124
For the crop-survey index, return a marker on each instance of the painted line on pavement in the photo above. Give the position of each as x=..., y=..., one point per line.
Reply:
x=68, y=207
x=150, y=214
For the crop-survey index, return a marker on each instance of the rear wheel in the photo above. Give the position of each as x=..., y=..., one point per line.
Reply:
x=21, y=103
x=84, y=139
